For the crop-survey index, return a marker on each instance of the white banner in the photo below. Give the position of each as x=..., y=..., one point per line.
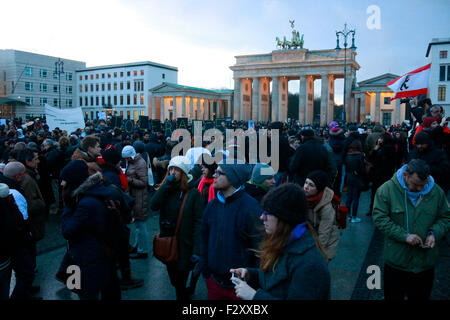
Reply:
x=65, y=119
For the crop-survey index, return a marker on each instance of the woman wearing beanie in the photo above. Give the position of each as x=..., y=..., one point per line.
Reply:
x=205, y=185
x=261, y=181
x=292, y=264
x=137, y=176
x=111, y=167
x=168, y=199
x=321, y=213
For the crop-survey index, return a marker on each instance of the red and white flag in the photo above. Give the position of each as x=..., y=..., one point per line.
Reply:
x=412, y=84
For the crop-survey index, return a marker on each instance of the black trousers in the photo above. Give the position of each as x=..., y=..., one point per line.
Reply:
x=400, y=284
x=178, y=279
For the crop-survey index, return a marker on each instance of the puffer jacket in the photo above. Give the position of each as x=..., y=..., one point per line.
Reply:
x=323, y=219
x=137, y=175
x=395, y=215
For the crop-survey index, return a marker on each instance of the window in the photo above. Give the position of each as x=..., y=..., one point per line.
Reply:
x=92, y=101
x=142, y=99
x=55, y=75
x=109, y=86
x=115, y=86
x=103, y=101
x=115, y=100
x=103, y=87
x=69, y=89
x=69, y=76
x=86, y=101
x=103, y=76
x=92, y=77
x=135, y=73
x=29, y=71
x=442, y=73
x=97, y=101
x=142, y=72
x=92, y=87
x=29, y=100
x=128, y=85
x=121, y=114
x=28, y=86
x=441, y=93
x=128, y=114
x=85, y=77
x=135, y=99
x=163, y=75
x=121, y=100
x=135, y=117
x=81, y=88
x=121, y=74
x=55, y=88
x=135, y=86
x=81, y=101
x=386, y=118
x=128, y=99
x=121, y=86
x=142, y=112
x=443, y=54
x=128, y=73
x=42, y=101
x=43, y=87
x=109, y=100
x=55, y=102
x=96, y=86
x=81, y=78
x=43, y=73
x=115, y=74
x=387, y=100
x=448, y=73
x=96, y=76
x=109, y=74
x=69, y=103
x=85, y=88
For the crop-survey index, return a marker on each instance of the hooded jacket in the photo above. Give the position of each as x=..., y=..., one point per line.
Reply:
x=396, y=215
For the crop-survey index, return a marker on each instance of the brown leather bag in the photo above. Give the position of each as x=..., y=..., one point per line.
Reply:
x=165, y=249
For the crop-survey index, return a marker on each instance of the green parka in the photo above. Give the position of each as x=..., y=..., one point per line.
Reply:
x=393, y=209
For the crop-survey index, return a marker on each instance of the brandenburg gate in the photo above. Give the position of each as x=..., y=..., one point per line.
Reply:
x=253, y=74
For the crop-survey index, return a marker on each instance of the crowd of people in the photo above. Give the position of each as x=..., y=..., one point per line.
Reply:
x=251, y=232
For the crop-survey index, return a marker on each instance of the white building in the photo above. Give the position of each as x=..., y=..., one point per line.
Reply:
x=438, y=55
x=30, y=78
x=121, y=89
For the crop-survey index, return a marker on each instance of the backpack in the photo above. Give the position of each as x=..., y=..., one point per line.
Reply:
x=341, y=212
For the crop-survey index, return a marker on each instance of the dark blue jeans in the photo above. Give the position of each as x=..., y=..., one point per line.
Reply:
x=352, y=202
x=23, y=263
x=5, y=281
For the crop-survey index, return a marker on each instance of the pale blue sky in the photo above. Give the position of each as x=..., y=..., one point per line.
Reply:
x=201, y=38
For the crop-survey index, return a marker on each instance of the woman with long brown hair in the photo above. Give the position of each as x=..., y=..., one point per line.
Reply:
x=168, y=199
x=293, y=263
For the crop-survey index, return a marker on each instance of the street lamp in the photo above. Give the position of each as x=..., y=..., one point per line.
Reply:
x=59, y=69
x=345, y=33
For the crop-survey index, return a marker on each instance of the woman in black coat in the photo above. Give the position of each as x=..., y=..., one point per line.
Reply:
x=292, y=265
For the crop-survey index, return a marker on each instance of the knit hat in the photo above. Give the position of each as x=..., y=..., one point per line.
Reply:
x=427, y=121
x=333, y=124
x=237, y=173
x=111, y=155
x=422, y=138
x=128, y=152
x=183, y=163
x=320, y=179
x=75, y=173
x=261, y=172
x=4, y=190
x=287, y=202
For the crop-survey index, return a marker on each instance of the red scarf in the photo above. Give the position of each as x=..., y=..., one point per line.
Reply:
x=211, y=192
x=313, y=201
x=123, y=180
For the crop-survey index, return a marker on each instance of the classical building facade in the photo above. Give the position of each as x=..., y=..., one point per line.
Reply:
x=372, y=101
x=438, y=55
x=171, y=101
x=121, y=89
x=254, y=75
x=30, y=78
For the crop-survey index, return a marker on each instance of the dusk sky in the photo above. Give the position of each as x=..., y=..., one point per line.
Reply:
x=201, y=38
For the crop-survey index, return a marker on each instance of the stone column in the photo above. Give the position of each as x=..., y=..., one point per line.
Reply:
x=348, y=102
x=377, y=108
x=302, y=100
x=191, y=107
x=153, y=107
x=330, y=107
x=275, y=98
x=255, y=99
x=324, y=100
x=174, y=112
x=362, y=107
x=197, y=109
x=228, y=108
x=237, y=99
x=397, y=119
x=183, y=106
x=162, y=109
x=310, y=100
x=283, y=99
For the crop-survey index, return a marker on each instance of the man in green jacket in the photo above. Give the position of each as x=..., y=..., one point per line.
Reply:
x=413, y=213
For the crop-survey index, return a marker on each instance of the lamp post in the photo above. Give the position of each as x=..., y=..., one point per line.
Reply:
x=59, y=69
x=345, y=33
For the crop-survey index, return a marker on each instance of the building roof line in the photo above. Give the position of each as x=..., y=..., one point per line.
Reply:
x=132, y=64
